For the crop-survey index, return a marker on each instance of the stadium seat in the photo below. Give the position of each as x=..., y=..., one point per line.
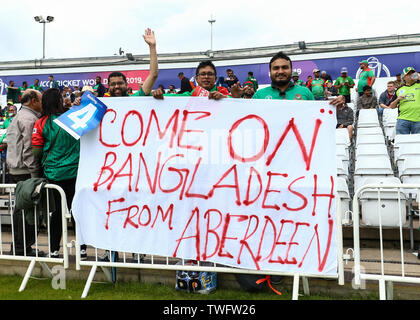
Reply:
x=368, y=118
x=390, y=201
x=389, y=121
x=369, y=131
x=405, y=139
x=371, y=167
x=371, y=150
x=343, y=192
x=404, y=152
x=342, y=136
x=342, y=169
x=370, y=139
x=410, y=172
x=389, y=117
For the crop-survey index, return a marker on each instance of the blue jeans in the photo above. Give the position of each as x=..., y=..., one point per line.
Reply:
x=319, y=98
x=407, y=127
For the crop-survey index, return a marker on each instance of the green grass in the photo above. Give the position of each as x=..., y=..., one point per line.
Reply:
x=41, y=289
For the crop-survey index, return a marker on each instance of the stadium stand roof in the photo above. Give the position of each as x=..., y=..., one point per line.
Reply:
x=297, y=48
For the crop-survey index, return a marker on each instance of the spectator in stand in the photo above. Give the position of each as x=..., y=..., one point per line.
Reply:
x=99, y=87
x=22, y=89
x=36, y=86
x=317, y=86
x=345, y=118
x=22, y=166
x=185, y=83
x=13, y=93
x=386, y=97
x=57, y=152
x=366, y=78
x=51, y=82
x=231, y=79
x=398, y=81
x=221, y=82
x=161, y=87
x=9, y=113
x=281, y=85
x=206, y=76
x=76, y=91
x=308, y=79
x=67, y=93
x=344, y=84
x=172, y=89
x=253, y=80
x=248, y=90
x=367, y=100
x=408, y=103
x=296, y=80
x=331, y=90
x=326, y=76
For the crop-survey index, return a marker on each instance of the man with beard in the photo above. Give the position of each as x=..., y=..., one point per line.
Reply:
x=281, y=85
x=117, y=81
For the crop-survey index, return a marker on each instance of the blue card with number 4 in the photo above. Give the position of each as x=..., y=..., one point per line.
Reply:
x=84, y=117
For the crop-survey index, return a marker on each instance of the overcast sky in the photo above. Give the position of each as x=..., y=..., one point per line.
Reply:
x=100, y=28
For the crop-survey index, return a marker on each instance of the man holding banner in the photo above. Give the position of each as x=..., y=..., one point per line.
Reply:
x=206, y=76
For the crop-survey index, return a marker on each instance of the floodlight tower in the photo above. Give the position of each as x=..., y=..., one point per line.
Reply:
x=211, y=21
x=40, y=19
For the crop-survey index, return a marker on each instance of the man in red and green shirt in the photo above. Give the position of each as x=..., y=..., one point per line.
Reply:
x=206, y=77
x=344, y=84
x=366, y=78
x=317, y=86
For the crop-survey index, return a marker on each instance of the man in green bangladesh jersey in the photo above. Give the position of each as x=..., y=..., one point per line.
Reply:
x=281, y=86
x=408, y=103
x=296, y=80
x=344, y=84
x=366, y=78
x=36, y=86
x=252, y=79
x=317, y=86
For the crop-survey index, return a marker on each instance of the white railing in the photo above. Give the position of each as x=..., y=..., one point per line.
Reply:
x=382, y=277
x=5, y=244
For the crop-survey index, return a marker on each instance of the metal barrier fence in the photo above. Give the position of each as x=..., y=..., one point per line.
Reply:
x=166, y=263
x=401, y=190
x=8, y=246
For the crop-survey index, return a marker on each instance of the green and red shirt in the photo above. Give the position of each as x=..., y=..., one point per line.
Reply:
x=317, y=86
x=292, y=92
x=365, y=79
x=62, y=160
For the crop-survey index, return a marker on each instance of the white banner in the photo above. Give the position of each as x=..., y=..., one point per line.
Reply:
x=244, y=183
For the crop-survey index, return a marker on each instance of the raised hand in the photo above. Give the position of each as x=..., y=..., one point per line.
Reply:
x=236, y=90
x=149, y=37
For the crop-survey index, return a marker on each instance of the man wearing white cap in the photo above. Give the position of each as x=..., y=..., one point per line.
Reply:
x=344, y=84
x=366, y=78
x=408, y=103
x=317, y=86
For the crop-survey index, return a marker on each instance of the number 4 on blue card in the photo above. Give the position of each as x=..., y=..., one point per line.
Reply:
x=84, y=117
